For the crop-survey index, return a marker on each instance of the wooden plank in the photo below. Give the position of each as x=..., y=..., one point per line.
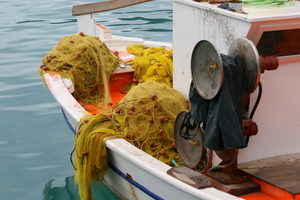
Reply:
x=190, y=177
x=103, y=6
x=280, y=171
x=199, y=181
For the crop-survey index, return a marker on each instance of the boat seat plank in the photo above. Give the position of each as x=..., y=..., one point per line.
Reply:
x=103, y=6
x=280, y=171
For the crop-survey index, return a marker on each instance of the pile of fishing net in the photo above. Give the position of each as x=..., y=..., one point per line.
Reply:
x=87, y=62
x=145, y=117
x=152, y=64
x=266, y=3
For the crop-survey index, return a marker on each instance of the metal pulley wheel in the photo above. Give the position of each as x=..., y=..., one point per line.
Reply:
x=247, y=51
x=189, y=140
x=207, y=69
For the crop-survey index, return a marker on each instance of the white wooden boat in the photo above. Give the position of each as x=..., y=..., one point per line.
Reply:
x=133, y=174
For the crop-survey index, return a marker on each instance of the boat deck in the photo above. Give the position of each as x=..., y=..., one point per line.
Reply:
x=118, y=83
x=279, y=177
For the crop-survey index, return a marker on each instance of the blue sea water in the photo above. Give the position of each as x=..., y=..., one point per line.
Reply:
x=35, y=143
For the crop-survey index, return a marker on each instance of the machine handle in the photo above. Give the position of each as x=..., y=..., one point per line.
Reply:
x=268, y=63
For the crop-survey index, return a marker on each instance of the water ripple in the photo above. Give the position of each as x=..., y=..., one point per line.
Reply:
x=33, y=107
x=148, y=20
x=65, y=21
x=3, y=142
x=30, y=21
x=157, y=30
x=35, y=168
x=13, y=96
x=19, y=86
x=28, y=155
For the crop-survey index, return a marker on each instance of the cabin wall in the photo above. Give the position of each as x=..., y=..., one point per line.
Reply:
x=278, y=113
x=277, y=116
x=192, y=24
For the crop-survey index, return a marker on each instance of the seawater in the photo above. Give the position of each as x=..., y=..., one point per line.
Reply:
x=35, y=142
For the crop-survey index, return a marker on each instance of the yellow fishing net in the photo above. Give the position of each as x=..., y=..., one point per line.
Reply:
x=152, y=64
x=145, y=117
x=86, y=61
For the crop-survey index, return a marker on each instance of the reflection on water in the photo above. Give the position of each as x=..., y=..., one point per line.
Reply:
x=69, y=191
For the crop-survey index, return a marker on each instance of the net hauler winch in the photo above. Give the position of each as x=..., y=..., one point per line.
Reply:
x=219, y=94
x=264, y=38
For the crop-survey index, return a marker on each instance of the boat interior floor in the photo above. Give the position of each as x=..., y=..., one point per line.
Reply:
x=278, y=176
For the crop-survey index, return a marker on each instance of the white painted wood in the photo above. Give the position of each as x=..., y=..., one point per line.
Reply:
x=102, y=31
x=86, y=24
x=277, y=116
x=258, y=28
x=151, y=173
x=120, y=43
x=254, y=14
x=72, y=108
x=192, y=23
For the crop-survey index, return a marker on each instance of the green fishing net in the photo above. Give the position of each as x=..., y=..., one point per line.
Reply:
x=264, y=3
